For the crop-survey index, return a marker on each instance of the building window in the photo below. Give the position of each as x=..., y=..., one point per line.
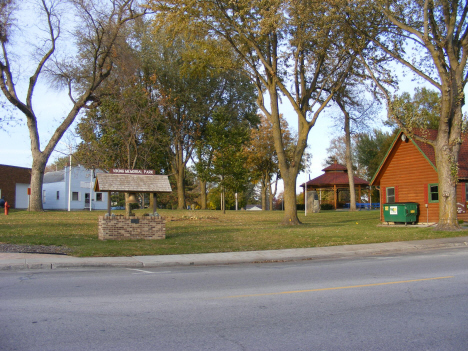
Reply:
x=390, y=195
x=98, y=196
x=75, y=196
x=433, y=192
x=58, y=195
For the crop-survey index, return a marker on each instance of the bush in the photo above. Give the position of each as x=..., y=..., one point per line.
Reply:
x=326, y=207
x=300, y=207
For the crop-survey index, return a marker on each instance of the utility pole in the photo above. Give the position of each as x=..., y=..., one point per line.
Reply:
x=69, y=184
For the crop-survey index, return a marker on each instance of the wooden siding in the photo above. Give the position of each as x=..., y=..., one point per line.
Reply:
x=461, y=199
x=409, y=172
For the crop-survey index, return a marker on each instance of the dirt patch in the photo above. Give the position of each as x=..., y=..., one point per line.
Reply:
x=42, y=249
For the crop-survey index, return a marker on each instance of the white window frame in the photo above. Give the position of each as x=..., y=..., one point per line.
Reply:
x=387, y=196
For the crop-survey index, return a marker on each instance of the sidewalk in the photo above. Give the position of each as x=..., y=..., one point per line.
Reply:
x=18, y=261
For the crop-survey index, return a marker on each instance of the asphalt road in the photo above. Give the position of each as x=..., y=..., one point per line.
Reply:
x=404, y=302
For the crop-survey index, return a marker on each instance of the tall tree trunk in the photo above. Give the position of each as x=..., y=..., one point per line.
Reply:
x=180, y=179
x=267, y=192
x=203, y=194
x=263, y=183
x=290, y=208
x=273, y=193
x=288, y=170
x=178, y=168
x=447, y=149
x=447, y=167
x=223, y=194
x=349, y=161
x=37, y=179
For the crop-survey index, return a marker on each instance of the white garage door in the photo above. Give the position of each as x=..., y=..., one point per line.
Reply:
x=21, y=197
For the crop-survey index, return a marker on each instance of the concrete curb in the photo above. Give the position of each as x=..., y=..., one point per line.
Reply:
x=17, y=261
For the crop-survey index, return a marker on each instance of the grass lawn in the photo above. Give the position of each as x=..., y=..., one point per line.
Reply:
x=207, y=231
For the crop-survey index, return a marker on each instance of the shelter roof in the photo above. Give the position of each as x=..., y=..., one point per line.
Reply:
x=335, y=167
x=335, y=174
x=334, y=178
x=132, y=183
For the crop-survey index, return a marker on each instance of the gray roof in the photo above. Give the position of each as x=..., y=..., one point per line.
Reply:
x=53, y=177
x=132, y=183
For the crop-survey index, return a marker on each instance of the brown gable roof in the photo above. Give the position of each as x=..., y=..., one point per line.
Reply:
x=132, y=183
x=428, y=152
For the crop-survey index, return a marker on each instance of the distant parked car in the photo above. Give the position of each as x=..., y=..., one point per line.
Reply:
x=118, y=208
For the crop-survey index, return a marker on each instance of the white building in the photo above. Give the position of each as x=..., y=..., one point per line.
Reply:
x=56, y=190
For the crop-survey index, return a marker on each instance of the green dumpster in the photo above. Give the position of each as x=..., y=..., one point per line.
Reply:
x=400, y=212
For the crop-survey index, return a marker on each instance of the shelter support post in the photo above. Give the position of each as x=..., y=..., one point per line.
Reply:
x=109, y=203
x=335, y=196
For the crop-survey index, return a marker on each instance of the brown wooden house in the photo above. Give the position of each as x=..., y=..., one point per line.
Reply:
x=408, y=173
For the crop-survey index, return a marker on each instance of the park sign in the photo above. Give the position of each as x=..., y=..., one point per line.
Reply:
x=133, y=171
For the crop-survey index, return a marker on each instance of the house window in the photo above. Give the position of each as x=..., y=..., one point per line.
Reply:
x=390, y=195
x=98, y=196
x=75, y=196
x=433, y=192
x=58, y=195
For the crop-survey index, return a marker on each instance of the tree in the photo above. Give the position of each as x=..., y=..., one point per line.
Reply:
x=261, y=157
x=227, y=137
x=123, y=131
x=356, y=111
x=85, y=66
x=59, y=163
x=430, y=38
x=295, y=49
x=189, y=89
x=420, y=111
x=371, y=149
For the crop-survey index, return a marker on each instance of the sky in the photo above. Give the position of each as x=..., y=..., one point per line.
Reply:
x=51, y=106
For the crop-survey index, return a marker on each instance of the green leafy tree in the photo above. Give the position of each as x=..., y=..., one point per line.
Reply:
x=228, y=138
x=189, y=89
x=420, y=111
x=371, y=149
x=238, y=105
x=123, y=132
